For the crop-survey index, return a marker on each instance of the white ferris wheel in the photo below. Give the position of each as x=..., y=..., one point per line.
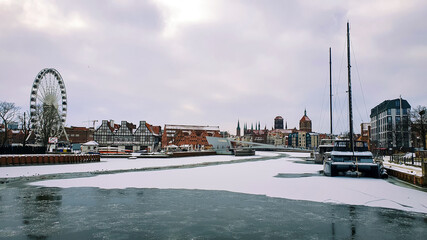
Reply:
x=48, y=90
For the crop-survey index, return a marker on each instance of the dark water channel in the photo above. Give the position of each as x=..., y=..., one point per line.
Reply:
x=91, y=213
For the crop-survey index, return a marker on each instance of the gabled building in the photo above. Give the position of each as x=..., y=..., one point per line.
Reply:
x=124, y=135
x=104, y=134
x=78, y=134
x=14, y=137
x=128, y=136
x=188, y=135
x=278, y=137
x=302, y=139
x=259, y=136
x=148, y=136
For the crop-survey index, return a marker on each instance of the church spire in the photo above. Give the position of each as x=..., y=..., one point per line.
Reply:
x=238, y=128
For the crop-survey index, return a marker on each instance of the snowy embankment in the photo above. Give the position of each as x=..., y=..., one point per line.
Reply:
x=283, y=178
x=408, y=169
x=112, y=164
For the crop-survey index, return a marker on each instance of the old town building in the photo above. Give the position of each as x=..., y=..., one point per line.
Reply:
x=305, y=123
x=278, y=122
x=128, y=136
x=188, y=135
x=238, y=129
x=259, y=136
x=78, y=134
x=278, y=137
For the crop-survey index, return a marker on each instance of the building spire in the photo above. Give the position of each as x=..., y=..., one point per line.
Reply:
x=238, y=128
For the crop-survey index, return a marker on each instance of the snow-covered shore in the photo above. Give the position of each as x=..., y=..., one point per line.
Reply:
x=281, y=177
x=112, y=164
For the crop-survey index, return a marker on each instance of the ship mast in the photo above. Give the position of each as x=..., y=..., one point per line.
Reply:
x=350, y=110
x=330, y=89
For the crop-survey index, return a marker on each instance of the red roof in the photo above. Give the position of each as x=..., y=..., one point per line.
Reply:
x=153, y=129
x=305, y=119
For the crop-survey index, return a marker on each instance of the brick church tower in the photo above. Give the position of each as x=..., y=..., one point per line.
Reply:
x=305, y=123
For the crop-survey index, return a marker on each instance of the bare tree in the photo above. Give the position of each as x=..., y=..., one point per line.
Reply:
x=25, y=121
x=418, y=122
x=7, y=114
x=48, y=123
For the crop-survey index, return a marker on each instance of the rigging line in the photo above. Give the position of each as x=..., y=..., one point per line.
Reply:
x=338, y=92
x=321, y=109
x=360, y=81
x=360, y=115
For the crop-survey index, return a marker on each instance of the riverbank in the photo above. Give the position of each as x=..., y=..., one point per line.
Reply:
x=43, y=159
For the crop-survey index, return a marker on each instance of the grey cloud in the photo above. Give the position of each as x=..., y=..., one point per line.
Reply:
x=255, y=60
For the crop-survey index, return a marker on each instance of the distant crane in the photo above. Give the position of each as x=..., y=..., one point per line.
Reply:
x=93, y=121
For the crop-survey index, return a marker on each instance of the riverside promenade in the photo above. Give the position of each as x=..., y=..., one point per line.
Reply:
x=408, y=170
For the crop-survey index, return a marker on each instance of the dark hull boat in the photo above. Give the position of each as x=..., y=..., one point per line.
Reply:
x=244, y=152
x=356, y=162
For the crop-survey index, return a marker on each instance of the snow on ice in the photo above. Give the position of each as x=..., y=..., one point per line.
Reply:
x=282, y=178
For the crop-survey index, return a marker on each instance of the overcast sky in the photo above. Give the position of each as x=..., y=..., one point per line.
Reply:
x=213, y=62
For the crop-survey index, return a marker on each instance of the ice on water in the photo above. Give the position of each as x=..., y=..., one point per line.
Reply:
x=251, y=177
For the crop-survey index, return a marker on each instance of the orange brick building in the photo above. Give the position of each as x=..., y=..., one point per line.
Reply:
x=189, y=135
x=305, y=123
x=78, y=134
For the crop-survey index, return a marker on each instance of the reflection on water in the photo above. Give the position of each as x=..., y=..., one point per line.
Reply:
x=40, y=211
x=92, y=213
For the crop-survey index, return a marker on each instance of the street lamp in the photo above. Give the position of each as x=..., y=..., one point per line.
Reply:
x=423, y=135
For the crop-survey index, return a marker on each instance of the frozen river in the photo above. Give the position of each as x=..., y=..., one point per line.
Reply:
x=270, y=195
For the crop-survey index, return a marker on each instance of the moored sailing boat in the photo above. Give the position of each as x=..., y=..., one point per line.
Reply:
x=349, y=155
x=326, y=145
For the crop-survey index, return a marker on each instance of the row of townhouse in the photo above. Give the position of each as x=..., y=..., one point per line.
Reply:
x=128, y=136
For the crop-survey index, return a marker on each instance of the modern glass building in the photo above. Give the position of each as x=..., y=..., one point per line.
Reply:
x=390, y=124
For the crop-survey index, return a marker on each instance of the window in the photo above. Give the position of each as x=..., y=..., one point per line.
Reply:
x=397, y=120
x=389, y=119
x=389, y=111
x=398, y=111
